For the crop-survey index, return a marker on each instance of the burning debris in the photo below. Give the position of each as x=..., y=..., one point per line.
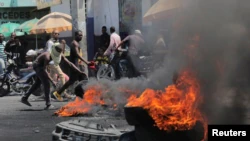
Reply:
x=175, y=109
x=212, y=38
x=98, y=97
x=146, y=131
x=92, y=97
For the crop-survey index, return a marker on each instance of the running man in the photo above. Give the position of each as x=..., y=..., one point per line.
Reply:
x=75, y=58
x=40, y=66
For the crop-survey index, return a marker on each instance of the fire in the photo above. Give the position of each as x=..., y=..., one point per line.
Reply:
x=93, y=96
x=176, y=108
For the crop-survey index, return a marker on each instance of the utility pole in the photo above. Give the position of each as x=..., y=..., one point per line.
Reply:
x=78, y=14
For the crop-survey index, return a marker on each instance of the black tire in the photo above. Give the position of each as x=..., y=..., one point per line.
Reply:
x=4, y=88
x=78, y=88
x=133, y=116
x=130, y=136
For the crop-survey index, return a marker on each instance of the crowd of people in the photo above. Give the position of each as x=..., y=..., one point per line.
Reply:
x=47, y=63
x=135, y=43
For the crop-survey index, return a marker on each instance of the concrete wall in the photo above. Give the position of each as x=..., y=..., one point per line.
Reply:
x=106, y=13
x=63, y=8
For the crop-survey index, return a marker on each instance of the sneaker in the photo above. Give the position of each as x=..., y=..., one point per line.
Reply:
x=25, y=101
x=50, y=107
x=39, y=98
x=58, y=96
x=68, y=96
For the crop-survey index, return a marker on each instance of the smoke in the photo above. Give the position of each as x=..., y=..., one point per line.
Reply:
x=211, y=37
x=220, y=57
x=118, y=92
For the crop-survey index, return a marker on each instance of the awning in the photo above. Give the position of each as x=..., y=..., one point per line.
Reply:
x=162, y=9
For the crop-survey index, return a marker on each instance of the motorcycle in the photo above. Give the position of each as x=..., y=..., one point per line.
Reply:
x=118, y=66
x=119, y=58
x=18, y=84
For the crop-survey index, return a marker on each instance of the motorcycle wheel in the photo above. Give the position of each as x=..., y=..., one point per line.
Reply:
x=4, y=88
x=106, y=72
x=125, y=71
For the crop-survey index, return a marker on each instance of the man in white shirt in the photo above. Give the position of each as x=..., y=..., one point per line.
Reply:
x=115, y=40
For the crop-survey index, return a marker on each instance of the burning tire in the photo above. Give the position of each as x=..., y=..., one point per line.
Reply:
x=133, y=116
x=130, y=136
x=145, y=129
x=79, y=89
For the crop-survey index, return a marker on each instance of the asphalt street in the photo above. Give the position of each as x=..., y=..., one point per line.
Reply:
x=19, y=122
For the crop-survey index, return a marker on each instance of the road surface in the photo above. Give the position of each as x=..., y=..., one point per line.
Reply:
x=19, y=122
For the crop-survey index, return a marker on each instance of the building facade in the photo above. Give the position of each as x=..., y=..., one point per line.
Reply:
x=19, y=11
x=124, y=15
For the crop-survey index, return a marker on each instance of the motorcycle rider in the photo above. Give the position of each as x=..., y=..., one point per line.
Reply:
x=40, y=67
x=75, y=58
x=136, y=42
x=115, y=40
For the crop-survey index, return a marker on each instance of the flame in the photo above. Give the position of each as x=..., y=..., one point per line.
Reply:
x=176, y=108
x=93, y=96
